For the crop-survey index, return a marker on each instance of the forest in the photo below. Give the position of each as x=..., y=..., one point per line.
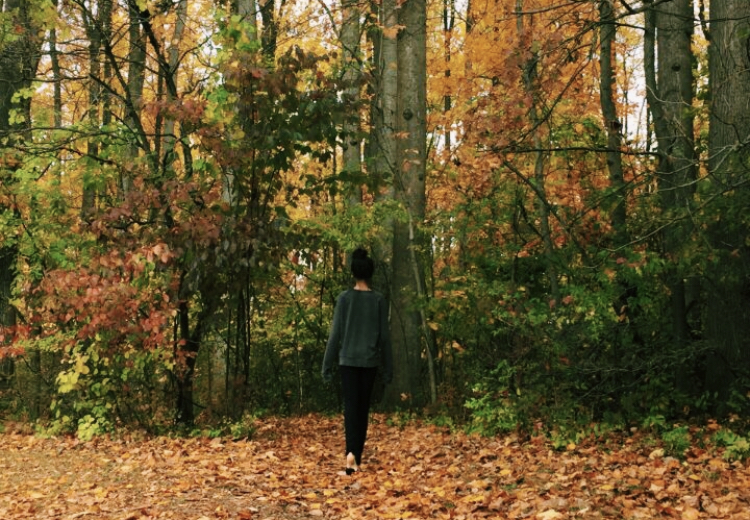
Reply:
x=555, y=193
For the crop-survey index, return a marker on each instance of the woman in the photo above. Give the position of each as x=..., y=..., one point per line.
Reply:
x=361, y=341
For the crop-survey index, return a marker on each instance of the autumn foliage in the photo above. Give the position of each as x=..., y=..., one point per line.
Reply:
x=292, y=469
x=177, y=201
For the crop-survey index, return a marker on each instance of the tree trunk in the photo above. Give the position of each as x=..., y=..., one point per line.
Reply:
x=248, y=10
x=727, y=317
x=613, y=124
x=531, y=85
x=350, y=37
x=174, y=62
x=380, y=149
x=670, y=99
x=449, y=21
x=270, y=30
x=98, y=27
x=409, y=188
x=18, y=64
x=135, y=82
x=54, y=56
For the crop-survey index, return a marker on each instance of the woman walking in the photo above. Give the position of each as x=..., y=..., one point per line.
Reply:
x=360, y=340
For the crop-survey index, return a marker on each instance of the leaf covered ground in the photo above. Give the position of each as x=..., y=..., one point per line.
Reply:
x=291, y=469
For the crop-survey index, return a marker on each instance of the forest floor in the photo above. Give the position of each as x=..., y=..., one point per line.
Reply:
x=292, y=469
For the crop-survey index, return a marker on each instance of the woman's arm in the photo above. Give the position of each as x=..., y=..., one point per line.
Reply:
x=334, y=341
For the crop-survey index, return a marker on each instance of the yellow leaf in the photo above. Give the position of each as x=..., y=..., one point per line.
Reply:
x=475, y=498
x=690, y=514
x=392, y=31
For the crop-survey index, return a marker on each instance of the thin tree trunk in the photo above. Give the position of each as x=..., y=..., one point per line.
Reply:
x=352, y=146
x=616, y=206
x=97, y=29
x=248, y=10
x=135, y=81
x=173, y=60
x=449, y=20
x=54, y=56
x=531, y=84
x=270, y=33
x=613, y=124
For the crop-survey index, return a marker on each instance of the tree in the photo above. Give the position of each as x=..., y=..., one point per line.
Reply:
x=351, y=63
x=409, y=246
x=19, y=58
x=536, y=118
x=670, y=94
x=98, y=25
x=727, y=296
x=382, y=148
x=613, y=123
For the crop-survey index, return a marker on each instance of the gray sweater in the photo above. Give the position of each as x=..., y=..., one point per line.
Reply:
x=359, y=334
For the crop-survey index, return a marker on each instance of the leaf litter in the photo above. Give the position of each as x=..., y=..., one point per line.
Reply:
x=292, y=469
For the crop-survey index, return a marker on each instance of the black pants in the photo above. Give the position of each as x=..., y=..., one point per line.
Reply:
x=357, y=384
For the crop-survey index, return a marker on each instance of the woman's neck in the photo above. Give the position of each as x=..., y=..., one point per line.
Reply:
x=361, y=285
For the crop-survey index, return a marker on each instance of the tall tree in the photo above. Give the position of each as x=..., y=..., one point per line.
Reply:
x=270, y=34
x=607, y=93
x=98, y=24
x=669, y=79
x=350, y=38
x=136, y=77
x=536, y=117
x=409, y=186
x=19, y=57
x=248, y=11
x=728, y=295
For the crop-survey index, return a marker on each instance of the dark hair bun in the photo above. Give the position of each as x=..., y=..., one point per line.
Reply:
x=362, y=265
x=359, y=254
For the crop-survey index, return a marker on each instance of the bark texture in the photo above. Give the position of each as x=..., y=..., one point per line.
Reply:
x=409, y=188
x=727, y=283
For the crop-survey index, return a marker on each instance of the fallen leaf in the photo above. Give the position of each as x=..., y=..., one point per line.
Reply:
x=690, y=514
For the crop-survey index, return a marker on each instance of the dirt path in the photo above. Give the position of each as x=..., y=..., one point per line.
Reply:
x=292, y=469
